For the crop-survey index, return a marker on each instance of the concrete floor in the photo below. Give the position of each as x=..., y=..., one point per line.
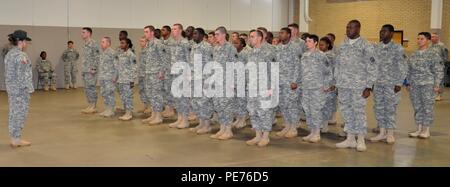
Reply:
x=62, y=136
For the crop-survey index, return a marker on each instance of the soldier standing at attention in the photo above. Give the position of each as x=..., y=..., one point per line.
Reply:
x=261, y=116
x=90, y=64
x=201, y=105
x=224, y=52
x=425, y=74
x=442, y=51
x=19, y=85
x=70, y=57
x=355, y=74
x=392, y=70
x=106, y=76
x=154, y=74
x=288, y=54
x=317, y=80
x=126, y=74
x=180, y=51
x=165, y=59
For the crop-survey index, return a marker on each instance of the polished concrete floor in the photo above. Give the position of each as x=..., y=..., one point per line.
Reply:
x=62, y=136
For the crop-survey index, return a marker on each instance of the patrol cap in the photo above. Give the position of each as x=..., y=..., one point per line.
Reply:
x=20, y=35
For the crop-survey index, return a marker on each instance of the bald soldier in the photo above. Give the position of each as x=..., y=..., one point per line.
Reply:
x=107, y=73
x=355, y=75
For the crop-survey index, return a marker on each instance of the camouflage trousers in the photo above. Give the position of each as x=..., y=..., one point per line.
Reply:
x=330, y=106
x=154, y=91
x=90, y=90
x=353, y=108
x=423, y=99
x=126, y=95
x=300, y=104
x=224, y=106
x=168, y=97
x=48, y=79
x=107, y=89
x=18, y=110
x=290, y=104
x=261, y=119
x=385, y=105
x=203, y=108
x=314, y=101
x=70, y=73
x=241, y=107
x=142, y=94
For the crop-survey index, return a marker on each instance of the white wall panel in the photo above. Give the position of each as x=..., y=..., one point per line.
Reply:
x=218, y=12
x=261, y=14
x=50, y=13
x=84, y=13
x=240, y=14
x=209, y=14
x=9, y=15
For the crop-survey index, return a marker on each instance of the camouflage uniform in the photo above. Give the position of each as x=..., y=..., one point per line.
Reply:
x=442, y=51
x=141, y=76
x=301, y=44
x=19, y=85
x=260, y=118
x=316, y=78
x=392, y=70
x=331, y=103
x=289, y=55
x=70, y=58
x=90, y=63
x=166, y=60
x=224, y=105
x=154, y=87
x=126, y=66
x=46, y=72
x=241, y=102
x=356, y=70
x=180, y=51
x=424, y=73
x=202, y=105
x=107, y=73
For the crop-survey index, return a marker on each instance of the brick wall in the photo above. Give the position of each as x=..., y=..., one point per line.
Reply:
x=411, y=16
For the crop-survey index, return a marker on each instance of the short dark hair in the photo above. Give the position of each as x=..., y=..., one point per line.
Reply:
x=211, y=33
x=128, y=41
x=70, y=42
x=167, y=27
x=389, y=27
x=262, y=29
x=123, y=32
x=304, y=36
x=42, y=52
x=328, y=41
x=201, y=31
x=426, y=34
x=243, y=34
x=313, y=37
x=157, y=33
x=150, y=27
x=87, y=29
x=332, y=35
x=287, y=29
x=258, y=33
x=295, y=25
x=358, y=24
x=242, y=42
